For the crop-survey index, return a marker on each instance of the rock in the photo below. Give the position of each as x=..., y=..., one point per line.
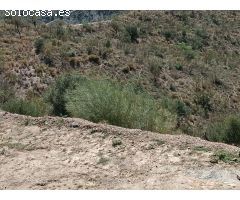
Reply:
x=116, y=142
x=214, y=161
x=74, y=125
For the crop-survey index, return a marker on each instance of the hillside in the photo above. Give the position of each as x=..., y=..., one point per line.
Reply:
x=66, y=153
x=188, y=60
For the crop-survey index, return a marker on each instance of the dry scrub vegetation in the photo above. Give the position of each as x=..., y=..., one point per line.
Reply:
x=173, y=71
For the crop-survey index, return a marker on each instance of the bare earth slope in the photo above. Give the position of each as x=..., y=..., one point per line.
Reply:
x=56, y=153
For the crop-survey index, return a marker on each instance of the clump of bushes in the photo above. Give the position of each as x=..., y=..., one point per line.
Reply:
x=33, y=108
x=227, y=130
x=102, y=100
x=204, y=100
x=182, y=109
x=176, y=106
x=8, y=102
x=225, y=156
x=55, y=95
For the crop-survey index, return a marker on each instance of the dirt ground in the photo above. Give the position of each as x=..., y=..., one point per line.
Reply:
x=57, y=153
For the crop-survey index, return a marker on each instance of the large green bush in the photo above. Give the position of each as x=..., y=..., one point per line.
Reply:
x=102, y=100
x=227, y=130
x=55, y=95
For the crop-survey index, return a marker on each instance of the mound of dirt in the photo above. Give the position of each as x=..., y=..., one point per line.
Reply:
x=65, y=153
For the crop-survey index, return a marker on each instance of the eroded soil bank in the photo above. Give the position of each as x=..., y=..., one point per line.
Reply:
x=56, y=153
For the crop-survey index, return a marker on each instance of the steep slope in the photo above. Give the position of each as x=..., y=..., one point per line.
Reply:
x=57, y=153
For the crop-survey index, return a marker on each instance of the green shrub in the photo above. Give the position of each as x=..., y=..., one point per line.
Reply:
x=108, y=44
x=201, y=39
x=227, y=130
x=55, y=95
x=187, y=50
x=33, y=108
x=225, y=157
x=169, y=104
x=176, y=107
x=182, y=109
x=204, y=100
x=233, y=130
x=6, y=91
x=39, y=45
x=202, y=33
x=132, y=33
x=48, y=59
x=169, y=34
x=155, y=63
x=71, y=53
x=102, y=100
x=179, y=67
x=197, y=43
x=216, y=131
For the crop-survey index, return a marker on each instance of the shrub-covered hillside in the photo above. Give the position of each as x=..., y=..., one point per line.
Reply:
x=186, y=60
